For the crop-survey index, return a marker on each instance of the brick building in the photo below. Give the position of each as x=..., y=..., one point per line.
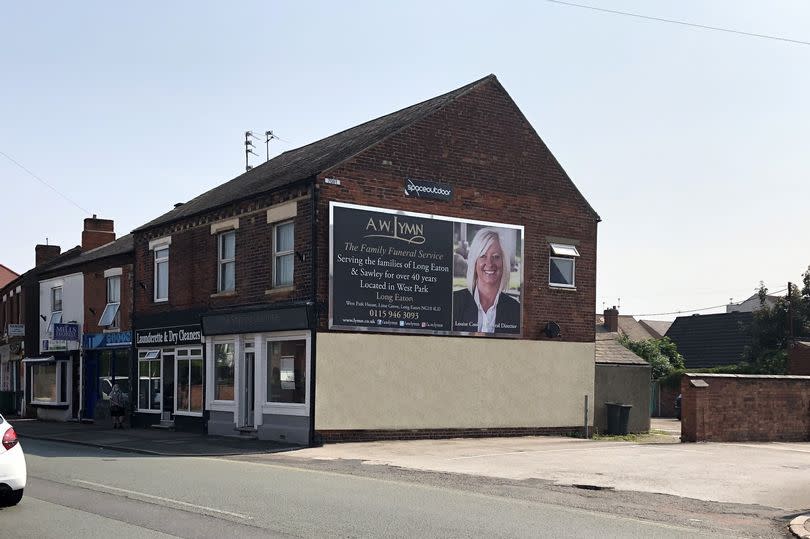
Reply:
x=19, y=318
x=84, y=340
x=431, y=272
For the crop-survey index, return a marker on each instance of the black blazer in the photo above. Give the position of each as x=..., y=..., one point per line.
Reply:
x=465, y=313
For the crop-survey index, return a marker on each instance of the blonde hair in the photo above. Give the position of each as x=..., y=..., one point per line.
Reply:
x=480, y=243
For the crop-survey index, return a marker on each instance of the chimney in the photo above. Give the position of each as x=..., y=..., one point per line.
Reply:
x=45, y=253
x=97, y=232
x=612, y=319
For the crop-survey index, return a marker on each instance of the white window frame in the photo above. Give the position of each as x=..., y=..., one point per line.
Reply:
x=277, y=254
x=188, y=357
x=162, y=260
x=112, y=305
x=285, y=408
x=149, y=356
x=53, y=299
x=211, y=378
x=223, y=261
x=561, y=251
x=58, y=365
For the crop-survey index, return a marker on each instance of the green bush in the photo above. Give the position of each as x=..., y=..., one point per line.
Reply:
x=661, y=354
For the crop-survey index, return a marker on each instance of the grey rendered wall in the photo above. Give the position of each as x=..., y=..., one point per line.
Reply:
x=221, y=423
x=627, y=384
x=285, y=428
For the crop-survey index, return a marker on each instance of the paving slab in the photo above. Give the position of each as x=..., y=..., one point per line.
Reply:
x=769, y=474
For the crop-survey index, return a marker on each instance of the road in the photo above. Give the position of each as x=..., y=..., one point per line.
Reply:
x=86, y=492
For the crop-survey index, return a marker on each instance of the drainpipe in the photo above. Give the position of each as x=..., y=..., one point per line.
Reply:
x=314, y=329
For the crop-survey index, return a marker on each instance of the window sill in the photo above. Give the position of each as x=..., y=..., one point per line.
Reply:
x=166, y=300
x=147, y=411
x=563, y=287
x=225, y=294
x=285, y=408
x=279, y=290
x=44, y=404
x=189, y=414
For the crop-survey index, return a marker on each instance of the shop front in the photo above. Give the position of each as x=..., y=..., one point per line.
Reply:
x=11, y=355
x=259, y=373
x=169, y=374
x=107, y=361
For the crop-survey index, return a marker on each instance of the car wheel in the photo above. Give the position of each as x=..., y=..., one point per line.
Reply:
x=12, y=497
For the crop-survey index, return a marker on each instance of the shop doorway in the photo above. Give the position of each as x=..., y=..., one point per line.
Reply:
x=247, y=392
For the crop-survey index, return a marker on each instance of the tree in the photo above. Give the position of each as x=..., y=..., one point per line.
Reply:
x=661, y=354
x=773, y=327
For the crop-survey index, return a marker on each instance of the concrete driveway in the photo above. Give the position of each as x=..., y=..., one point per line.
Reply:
x=770, y=474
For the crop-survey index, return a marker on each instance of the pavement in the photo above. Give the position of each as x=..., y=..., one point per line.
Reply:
x=773, y=475
x=148, y=441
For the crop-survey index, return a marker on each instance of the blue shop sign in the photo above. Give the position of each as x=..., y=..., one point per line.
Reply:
x=66, y=332
x=107, y=340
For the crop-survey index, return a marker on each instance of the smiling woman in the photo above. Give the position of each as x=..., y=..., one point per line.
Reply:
x=483, y=306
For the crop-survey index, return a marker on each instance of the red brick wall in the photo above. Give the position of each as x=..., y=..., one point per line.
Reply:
x=95, y=295
x=735, y=408
x=500, y=171
x=193, y=257
x=799, y=359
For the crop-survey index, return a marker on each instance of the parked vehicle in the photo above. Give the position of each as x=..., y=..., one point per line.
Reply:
x=13, y=473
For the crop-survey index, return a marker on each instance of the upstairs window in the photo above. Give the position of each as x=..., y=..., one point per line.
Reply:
x=162, y=273
x=227, y=261
x=56, y=308
x=111, y=317
x=562, y=265
x=283, y=245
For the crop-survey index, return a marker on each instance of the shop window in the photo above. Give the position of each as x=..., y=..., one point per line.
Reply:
x=149, y=380
x=113, y=368
x=287, y=371
x=162, y=273
x=189, y=381
x=223, y=371
x=562, y=265
x=227, y=261
x=111, y=317
x=49, y=383
x=283, y=245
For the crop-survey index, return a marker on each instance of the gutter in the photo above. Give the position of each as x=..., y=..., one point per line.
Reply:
x=316, y=310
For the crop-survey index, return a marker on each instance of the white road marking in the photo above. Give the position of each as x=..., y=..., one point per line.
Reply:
x=140, y=495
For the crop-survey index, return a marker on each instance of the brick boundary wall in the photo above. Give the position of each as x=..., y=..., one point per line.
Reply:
x=738, y=408
x=337, y=436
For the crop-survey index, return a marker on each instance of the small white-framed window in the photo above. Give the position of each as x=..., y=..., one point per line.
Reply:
x=562, y=265
x=283, y=254
x=56, y=299
x=49, y=383
x=226, y=279
x=149, y=395
x=111, y=317
x=162, y=273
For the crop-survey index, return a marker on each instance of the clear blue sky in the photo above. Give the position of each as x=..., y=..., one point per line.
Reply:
x=691, y=144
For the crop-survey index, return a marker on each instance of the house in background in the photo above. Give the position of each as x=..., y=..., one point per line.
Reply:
x=751, y=304
x=711, y=340
x=7, y=275
x=627, y=325
x=620, y=376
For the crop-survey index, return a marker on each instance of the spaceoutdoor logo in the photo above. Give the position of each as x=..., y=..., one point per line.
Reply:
x=428, y=189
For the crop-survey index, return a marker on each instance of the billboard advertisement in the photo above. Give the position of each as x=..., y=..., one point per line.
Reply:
x=417, y=273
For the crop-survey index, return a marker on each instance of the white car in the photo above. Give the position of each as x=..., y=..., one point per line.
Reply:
x=13, y=472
